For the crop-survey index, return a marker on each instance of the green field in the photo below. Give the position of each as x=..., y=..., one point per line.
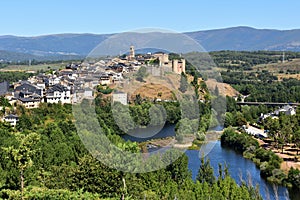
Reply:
x=35, y=68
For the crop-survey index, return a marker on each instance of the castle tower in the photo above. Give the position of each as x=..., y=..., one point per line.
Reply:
x=175, y=66
x=178, y=66
x=183, y=65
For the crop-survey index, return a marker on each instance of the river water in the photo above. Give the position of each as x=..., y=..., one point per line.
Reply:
x=238, y=167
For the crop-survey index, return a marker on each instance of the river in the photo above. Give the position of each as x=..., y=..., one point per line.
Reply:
x=238, y=166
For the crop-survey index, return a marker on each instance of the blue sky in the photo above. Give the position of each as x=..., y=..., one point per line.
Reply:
x=40, y=17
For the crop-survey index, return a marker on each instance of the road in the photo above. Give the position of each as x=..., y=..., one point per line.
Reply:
x=267, y=103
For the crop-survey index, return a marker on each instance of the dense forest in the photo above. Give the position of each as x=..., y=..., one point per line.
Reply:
x=14, y=76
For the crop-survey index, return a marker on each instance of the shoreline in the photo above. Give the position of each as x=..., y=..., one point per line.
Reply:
x=190, y=141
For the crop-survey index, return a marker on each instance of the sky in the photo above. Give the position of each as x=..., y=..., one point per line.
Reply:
x=42, y=17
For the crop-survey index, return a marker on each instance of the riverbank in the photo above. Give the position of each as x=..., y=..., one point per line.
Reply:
x=288, y=155
x=240, y=168
x=156, y=143
x=167, y=142
x=267, y=161
x=189, y=142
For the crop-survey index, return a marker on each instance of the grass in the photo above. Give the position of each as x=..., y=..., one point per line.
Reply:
x=288, y=69
x=276, y=67
x=282, y=70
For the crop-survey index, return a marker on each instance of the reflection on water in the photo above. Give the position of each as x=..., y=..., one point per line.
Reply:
x=139, y=135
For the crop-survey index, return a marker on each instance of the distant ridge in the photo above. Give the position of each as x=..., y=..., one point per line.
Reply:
x=248, y=39
x=236, y=38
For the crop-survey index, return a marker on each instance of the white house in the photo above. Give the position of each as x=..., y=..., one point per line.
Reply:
x=54, y=81
x=287, y=110
x=117, y=77
x=120, y=97
x=105, y=80
x=251, y=130
x=88, y=92
x=29, y=102
x=58, y=93
x=41, y=85
x=11, y=119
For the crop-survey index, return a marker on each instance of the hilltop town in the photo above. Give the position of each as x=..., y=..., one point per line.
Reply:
x=78, y=80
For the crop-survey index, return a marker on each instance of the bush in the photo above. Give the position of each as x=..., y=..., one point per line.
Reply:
x=266, y=170
x=44, y=193
x=248, y=155
x=293, y=178
x=179, y=138
x=256, y=161
x=200, y=136
x=239, y=142
x=104, y=89
x=278, y=176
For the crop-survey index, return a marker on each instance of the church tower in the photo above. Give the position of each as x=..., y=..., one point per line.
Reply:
x=131, y=53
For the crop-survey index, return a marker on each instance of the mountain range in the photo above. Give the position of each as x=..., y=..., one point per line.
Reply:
x=69, y=46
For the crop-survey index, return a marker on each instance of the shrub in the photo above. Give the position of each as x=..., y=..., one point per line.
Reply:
x=200, y=136
x=44, y=193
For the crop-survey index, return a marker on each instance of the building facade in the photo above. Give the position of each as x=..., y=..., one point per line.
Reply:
x=120, y=97
x=58, y=94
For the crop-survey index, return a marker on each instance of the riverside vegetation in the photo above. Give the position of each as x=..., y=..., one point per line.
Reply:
x=45, y=152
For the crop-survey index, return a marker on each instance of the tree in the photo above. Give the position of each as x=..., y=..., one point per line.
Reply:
x=206, y=172
x=216, y=92
x=240, y=119
x=22, y=153
x=4, y=102
x=183, y=83
x=231, y=104
x=186, y=126
x=294, y=178
x=296, y=140
x=141, y=74
x=104, y=89
x=138, y=99
x=179, y=168
x=273, y=126
x=229, y=119
x=284, y=135
x=195, y=80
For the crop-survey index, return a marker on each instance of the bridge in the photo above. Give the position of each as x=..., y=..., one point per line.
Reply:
x=267, y=103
